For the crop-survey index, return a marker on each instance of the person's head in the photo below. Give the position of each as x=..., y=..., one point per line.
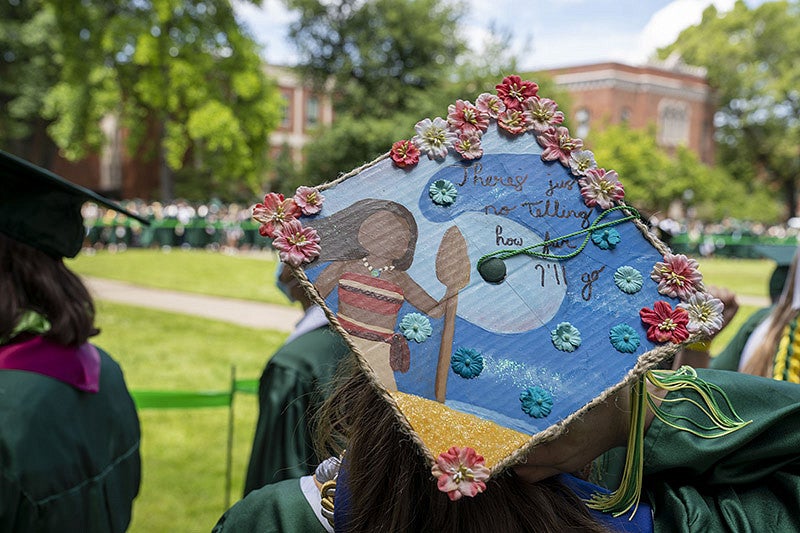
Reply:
x=290, y=287
x=368, y=227
x=40, y=224
x=390, y=486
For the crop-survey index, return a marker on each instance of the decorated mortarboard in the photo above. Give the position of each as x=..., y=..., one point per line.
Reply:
x=42, y=209
x=492, y=282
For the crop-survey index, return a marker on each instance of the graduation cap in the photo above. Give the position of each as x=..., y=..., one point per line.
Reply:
x=782, y=254
x=491, y=280
x=42, y=209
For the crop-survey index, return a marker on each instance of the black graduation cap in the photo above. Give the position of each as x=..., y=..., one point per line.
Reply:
x=42, y=209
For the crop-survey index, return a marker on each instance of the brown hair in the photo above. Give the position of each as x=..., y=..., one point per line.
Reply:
x=391, y=487
x=32, y=280
x=762, y=361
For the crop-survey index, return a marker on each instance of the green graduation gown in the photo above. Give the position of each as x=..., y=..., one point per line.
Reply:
x=747, y=481
x=69, y=460
x=292, y=387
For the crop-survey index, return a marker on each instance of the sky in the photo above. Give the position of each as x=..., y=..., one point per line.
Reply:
x=546, y=33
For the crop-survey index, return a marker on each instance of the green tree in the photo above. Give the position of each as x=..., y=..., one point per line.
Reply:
x=183, y=77
x=653, y=178
x=752, y=60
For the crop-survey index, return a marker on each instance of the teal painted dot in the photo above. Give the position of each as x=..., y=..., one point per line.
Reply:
x=493, y=270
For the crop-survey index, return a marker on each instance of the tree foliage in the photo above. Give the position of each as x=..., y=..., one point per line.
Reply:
x=752, y=60
x=183, y=77
x=390, y=63
x=654, y=179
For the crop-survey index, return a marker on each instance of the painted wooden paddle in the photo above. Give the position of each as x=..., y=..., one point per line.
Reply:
x=452, y=269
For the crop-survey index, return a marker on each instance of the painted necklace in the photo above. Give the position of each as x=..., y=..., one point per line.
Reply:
x=376, y=272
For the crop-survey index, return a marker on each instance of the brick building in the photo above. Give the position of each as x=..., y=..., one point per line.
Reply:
x=674, y=97
x=304, y=110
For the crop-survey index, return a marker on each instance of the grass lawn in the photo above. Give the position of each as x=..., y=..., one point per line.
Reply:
x=184, y=450
x=244, y=276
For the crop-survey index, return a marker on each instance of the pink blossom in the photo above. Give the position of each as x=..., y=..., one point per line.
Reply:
x=461, y=472
x=514, y=121
x=469, y=146
x=295, y=244
x=601, y=187
x=558, y=144
x=405, y=154
x=513, y=90
x=464, y=117
x=274, y=213
x=308, y=199
x=490, y=104
x=678, y=276
x=664, y=323
x=544, y=113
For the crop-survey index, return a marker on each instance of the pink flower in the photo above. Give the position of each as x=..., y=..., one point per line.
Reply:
x=461, y=472
x=490, y=104
x=664, y=323
x=514, y=121
x=469, y=146
x=464, y=117
x=274, y=213
x=544, y=113
x=601, y=187
x=513, y=90
x=678, y=276
x=405, y=154
x=295, y=244
x=308, y=199
x=558, y=144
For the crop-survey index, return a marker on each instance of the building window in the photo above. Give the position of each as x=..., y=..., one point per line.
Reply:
x=286, y=115
x=673, y=123
x=625, y=115
x=582, y=120
x=312, y=111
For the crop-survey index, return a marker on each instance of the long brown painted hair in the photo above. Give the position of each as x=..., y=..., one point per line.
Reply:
x=32, y=280
x=391, y=487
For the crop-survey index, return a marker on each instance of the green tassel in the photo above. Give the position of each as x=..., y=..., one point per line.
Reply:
x=626, y=497
x=30, y=321
x=718, y=422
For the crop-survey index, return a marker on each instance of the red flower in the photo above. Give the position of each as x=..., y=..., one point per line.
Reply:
x=513, y=90
x=460, y=472
x=308, y=199
x=405, y=153
x=465, y=118
x=274, y=213
x=514, y=121
x=558, y=144
x=665, y=324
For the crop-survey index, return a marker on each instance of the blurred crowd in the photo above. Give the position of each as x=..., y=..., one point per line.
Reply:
x=229, y=227
x=213, y=225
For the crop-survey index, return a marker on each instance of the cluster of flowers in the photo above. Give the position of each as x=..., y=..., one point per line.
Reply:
x=517, y=109
x=699, y=312
x=278, y=218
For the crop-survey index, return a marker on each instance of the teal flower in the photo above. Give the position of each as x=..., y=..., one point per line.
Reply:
x=443, y=192
x=536, y=402
x=566, y=337
x=416, y=327
x=624, y=338
x=628, y=279
x=606, y=238
x=467, y=363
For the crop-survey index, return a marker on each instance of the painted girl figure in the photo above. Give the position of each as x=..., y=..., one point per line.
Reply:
x=371, y=245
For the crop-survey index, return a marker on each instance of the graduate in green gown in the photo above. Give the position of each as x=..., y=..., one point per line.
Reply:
x=69, y=432
x=293, y=385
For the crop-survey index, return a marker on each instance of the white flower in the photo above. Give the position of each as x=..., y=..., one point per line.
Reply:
x=433, y=137
x=705, y=313
x=580, y=161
